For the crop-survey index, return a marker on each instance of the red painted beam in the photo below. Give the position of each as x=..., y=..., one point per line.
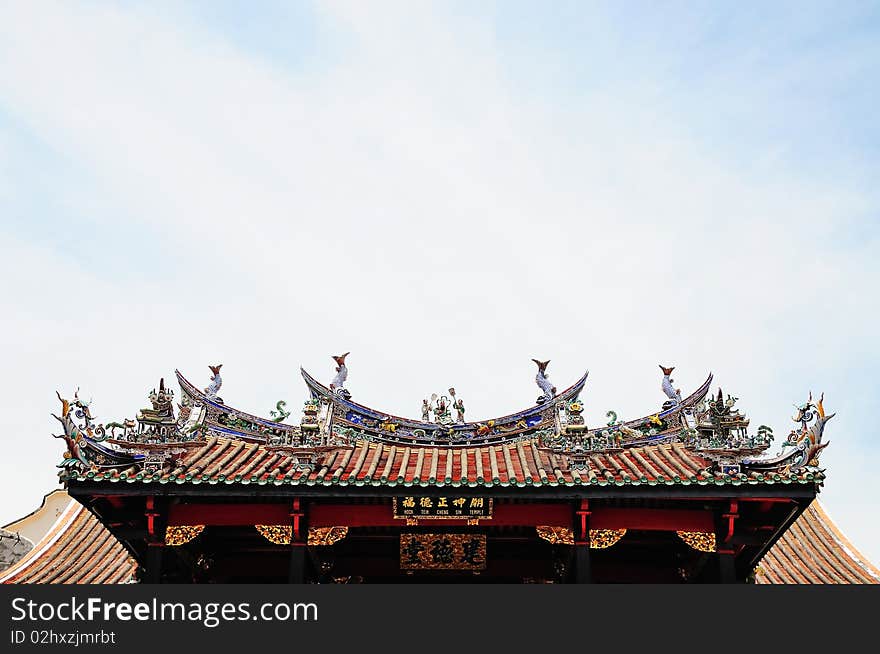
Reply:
x=652, y=519
x=356, y=515
x=229, y=515
x=381, y=515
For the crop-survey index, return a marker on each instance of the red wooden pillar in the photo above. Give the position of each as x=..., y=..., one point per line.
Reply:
x=583, y=573
x=299, y=538
x=155, y=543
x=726, y=553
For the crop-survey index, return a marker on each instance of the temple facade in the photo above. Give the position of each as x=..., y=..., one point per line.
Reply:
x=194, y=490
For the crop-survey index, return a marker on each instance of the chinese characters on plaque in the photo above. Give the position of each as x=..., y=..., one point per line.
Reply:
x=443, y=507
x=443, y=551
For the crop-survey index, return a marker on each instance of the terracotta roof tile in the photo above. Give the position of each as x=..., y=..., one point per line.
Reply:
x=517, y=462
x=814, y=551
x=78, y=549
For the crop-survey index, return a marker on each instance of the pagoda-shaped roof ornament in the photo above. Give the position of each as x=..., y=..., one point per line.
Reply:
x=727, y=424
x=720, y=433
x=158, y=423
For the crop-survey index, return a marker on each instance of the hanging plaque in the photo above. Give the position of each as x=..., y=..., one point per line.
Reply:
x=443, y=551
x=412, y=506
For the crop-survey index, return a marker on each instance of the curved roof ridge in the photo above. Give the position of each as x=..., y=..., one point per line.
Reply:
x=56, y=531
x=76, y=548
x=35, y=511
x=316, y=386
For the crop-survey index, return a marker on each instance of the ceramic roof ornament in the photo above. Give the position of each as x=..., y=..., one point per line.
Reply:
x=544, y=382
x=216, y=382
x=338, y=383
x=674, y=394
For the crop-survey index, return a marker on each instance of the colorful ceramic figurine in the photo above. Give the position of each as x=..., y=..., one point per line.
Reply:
x=216, y=382
x=674, y=394
x=338, y=383
x=543, y=382
x=441, y=410
x=458, y=405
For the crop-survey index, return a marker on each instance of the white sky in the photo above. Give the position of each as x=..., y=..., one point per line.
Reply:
x=445, y=194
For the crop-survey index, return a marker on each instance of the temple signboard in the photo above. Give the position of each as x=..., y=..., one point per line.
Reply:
x=413, y=506
x=443, y=551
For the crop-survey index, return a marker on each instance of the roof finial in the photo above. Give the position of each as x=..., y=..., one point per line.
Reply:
x=338, y=383
x=674, y=394
x=216, y=382
x=543, y=382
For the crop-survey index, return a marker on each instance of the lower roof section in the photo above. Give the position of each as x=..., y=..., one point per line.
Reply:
x=77, y=549
x=814, y=551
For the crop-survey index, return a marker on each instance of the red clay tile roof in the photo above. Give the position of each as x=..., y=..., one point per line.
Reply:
x=76, y=550
x=519, y=463
x=814, y=551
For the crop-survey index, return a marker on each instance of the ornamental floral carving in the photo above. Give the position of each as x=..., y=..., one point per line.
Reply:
x=278, y=534
x=600, y=539
x=556, y=535
x=326, y=535
x=701, y=541
x=182, y=534
x=282, y=534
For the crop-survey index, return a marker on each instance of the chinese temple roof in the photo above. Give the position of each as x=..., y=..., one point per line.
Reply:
x=521, y=463
x=814, y=551
x=200, y=441
x=77, y=549
x=700, y=439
